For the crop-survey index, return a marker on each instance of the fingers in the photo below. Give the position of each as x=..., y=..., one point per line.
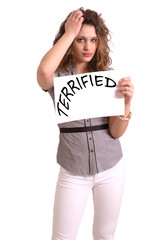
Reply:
x=76, y=15
x=74, y=23
x=126, y=93
x=125, y=86
x=125, y=83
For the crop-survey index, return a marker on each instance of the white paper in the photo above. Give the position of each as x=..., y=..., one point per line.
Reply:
x=88, y=95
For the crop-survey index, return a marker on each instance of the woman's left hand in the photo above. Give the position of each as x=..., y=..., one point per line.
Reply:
x=126, y=87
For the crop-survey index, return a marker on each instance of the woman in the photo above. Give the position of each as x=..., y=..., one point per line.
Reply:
x=89, y=151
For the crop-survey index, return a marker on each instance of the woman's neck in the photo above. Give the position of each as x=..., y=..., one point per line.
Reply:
x=81, y=68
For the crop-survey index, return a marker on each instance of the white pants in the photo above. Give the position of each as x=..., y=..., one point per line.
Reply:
x=71, y=196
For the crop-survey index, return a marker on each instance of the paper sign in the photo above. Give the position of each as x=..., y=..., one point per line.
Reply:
x=87, y=95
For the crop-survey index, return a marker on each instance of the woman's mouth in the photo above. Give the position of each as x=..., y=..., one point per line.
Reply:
x=87, y=54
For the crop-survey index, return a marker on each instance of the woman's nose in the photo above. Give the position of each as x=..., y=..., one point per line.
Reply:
x=87, y=45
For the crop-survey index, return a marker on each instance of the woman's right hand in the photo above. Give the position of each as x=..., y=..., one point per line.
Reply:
x=52, y=59
x=74, y=23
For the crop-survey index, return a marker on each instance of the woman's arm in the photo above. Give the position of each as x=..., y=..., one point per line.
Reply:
x=52, y=59
x=118, y=126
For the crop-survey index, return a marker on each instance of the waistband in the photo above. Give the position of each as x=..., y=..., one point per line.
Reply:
x=84, y=129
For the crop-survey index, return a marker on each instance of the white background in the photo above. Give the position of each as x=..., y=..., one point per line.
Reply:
x=29, y=135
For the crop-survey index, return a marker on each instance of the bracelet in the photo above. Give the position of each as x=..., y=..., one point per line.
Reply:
x=125, y=118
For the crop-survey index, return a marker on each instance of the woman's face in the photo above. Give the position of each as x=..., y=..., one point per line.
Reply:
x=85, y=44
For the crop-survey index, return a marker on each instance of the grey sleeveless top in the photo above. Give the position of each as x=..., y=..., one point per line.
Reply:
x=86, y=153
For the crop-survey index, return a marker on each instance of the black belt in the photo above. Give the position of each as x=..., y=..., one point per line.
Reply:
x=84, y=129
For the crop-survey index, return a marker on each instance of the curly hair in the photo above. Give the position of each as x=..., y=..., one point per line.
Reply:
x=101, y=59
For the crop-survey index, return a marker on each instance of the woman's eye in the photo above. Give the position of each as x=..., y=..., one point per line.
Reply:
x=83, y=39
x=94, y=40
x=80, y=39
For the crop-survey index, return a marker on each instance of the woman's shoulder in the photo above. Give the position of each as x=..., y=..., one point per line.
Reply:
x=109, y=68
x=66, y=72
